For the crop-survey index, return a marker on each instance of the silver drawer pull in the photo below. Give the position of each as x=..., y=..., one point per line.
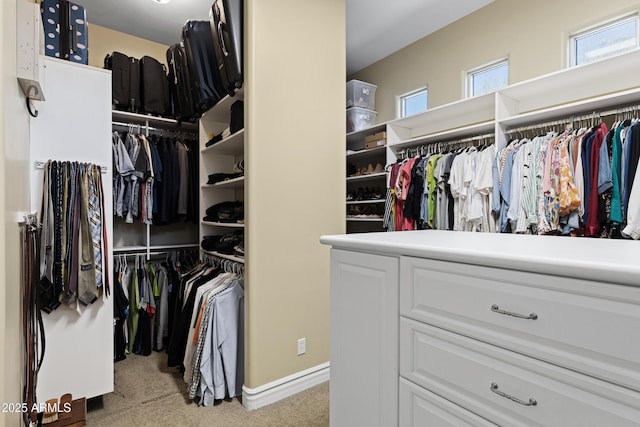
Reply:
x=496, y=309
x=531, y=402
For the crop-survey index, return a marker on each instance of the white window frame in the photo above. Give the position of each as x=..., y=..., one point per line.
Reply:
x=571, y=56
x=400, y=108
x=468, y=86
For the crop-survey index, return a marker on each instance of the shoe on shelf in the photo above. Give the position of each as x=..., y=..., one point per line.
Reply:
x=378, y=169
x=376, y=194
x=369, y=169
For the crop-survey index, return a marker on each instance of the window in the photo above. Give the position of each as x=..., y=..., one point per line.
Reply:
x=412, y=103
x=604, y=40
x=488, y=78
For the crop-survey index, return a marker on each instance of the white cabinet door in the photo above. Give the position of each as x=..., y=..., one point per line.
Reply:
x=74, y=124
x=419, y=407
x=364, y=340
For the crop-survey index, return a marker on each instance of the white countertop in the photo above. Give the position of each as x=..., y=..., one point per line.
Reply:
x=614, y=261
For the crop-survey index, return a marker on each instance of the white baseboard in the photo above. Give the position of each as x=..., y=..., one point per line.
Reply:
x=254, y=398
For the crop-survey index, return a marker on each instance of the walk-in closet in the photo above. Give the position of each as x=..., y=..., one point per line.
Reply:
x=321, y=213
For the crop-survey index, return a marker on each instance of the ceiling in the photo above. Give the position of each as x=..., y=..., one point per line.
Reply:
x=375, y=28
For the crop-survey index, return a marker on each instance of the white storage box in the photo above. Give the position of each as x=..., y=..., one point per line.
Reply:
x=360, y=118
x=361, y=94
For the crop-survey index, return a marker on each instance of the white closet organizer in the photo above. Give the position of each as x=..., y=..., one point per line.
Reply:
x=220, y=158
x=601, y=87
x=143, y=238
x=595, y=87
x=460, y=329
x=362, y=206
x=73, y=125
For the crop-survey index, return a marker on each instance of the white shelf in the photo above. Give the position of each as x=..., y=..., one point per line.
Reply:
x=450, y=117
x=232, y=145
x=225, y=256
x=364, y=219
x=144, y=120
x=221, y=112
x=368, y=152
x=362, y=202
x=153, y=248
x=581, y=107
x=569, y=85
x=448, y=135
x=223, y=224
x=366, y=177
x=359, y=135
x=228, y=184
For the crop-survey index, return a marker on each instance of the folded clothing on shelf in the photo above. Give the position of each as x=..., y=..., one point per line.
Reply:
x=217, y=138
x=219, y=177
x=224, y=243
x=239, y=249
x=232, y=212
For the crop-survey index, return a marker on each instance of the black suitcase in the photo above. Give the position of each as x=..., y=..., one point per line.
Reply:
x=125, y=81
x=180, y=78
x=207, y=87
x=226, y=25
x=71, y=44
x=154, y=85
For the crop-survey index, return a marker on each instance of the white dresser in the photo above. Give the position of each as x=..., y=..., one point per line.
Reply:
x=437, y=328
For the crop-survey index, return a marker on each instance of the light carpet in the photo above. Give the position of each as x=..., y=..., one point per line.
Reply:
x=148, y=393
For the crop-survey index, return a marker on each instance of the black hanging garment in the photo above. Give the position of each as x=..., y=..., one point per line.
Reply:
x=415, y=191
x=120, y=309
x=182, y=320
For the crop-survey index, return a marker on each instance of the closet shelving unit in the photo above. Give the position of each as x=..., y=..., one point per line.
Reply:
x=361, y=158
x=220, y=158
x=598, y=88
x=145, y=238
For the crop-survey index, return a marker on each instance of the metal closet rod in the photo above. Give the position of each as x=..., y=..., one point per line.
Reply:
x=227, y=265
x=40, y=164
x=151, y=128
x=592, y=117
x=441, y=145
x=165, y=248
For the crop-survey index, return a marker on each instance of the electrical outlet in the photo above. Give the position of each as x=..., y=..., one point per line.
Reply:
x=302, y=346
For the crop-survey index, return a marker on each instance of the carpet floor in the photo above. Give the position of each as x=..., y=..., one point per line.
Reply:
x=148, y=393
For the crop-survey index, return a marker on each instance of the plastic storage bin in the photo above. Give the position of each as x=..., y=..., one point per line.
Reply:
x=360, y=118
x=361, y=94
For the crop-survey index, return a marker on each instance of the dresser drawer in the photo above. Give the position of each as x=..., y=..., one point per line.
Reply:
x=590, y=327
x=508, y=388
x=419, y=408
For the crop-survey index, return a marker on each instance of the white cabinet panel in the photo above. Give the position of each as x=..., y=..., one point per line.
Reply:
x=364, y=343
x=419, y=407
x=525, y=392
x=74, y=124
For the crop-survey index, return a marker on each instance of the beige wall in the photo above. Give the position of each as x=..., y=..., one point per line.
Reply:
x=14, y=199
x=532, y=34
x=296, y=173
x=103, y=41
